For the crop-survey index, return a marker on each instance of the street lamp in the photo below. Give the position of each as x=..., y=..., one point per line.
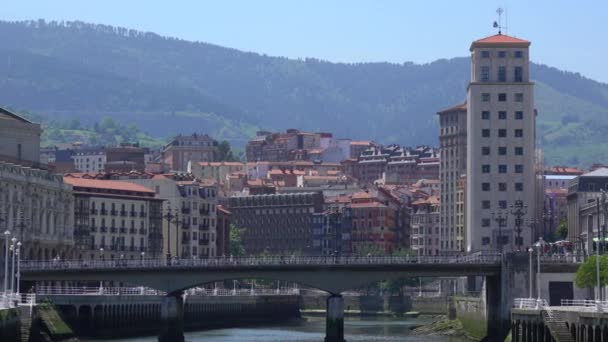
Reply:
x=142, y=254
x=540, y=245
x=518, y=209
x=13, y=248
x=101, y=281
x=6, y=235
x=530, y=251
x=18, y=275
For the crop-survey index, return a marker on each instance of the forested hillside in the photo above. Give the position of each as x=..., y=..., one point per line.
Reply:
x=165, y=85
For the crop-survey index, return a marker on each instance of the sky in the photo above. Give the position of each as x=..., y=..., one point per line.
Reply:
x=569, y=35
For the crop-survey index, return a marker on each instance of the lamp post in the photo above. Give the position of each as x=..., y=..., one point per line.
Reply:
x=142, y=254
x=101, y=281
x=518, y=209
x=530, y=251
x=13, y=248
x=541, y=242
x=18, y=275
x=6, y=235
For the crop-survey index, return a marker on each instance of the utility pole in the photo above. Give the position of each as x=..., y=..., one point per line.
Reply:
x=518, y=209
x=169, y=217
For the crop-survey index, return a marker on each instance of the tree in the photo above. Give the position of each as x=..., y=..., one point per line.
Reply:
x=223, y=152
x=586, y=276
x=236, y=247
x=562, y=230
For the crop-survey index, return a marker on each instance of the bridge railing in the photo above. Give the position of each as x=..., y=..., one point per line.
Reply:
x=259, y=261
x=562, y=259
x=525, y=303
x=144, y=291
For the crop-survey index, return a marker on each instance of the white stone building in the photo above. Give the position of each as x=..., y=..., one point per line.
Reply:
x=91, y=160
x=500, y=142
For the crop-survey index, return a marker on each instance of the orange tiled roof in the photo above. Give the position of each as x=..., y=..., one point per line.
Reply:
x=499, y=39
x=106, y=184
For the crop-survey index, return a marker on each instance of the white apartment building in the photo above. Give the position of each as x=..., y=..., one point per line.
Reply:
x=90, y=160
x=500, y=142
x=452, y=167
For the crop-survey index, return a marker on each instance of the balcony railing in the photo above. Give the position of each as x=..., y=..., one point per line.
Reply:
x=133, y=213
x=203, y=211
x=142, y=231
x=113, y=230
x=203, y=226
x=104, y=211
x=185, y=210
x=142, y=214
x=132, y=231
x=123, y=213
x=103, y=229
x=94, y=211
x=203, y=241
x=123, y=230
x=113, y=212
x=93, y=229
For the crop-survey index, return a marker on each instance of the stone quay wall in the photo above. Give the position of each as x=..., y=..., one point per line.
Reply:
x=119, y=316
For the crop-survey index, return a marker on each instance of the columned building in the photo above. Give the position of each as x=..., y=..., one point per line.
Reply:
x=500, y=143
x=453, y=165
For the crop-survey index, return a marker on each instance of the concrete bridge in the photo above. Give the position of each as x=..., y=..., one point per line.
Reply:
x=332, y=274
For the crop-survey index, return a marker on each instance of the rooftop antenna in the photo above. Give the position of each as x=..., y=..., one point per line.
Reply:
x=498, y=24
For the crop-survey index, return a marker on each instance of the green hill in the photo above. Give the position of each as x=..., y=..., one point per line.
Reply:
x=166, y=85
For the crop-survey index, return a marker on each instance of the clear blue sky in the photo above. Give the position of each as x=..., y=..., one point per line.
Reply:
x=566, y=34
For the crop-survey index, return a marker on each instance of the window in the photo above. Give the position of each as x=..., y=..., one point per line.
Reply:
x=502, y=115
x=502, y=54
x=518, y=74
x=502, y=204
x=485, y=97
x=502, y=97
x=485, y=133
x=519, y=133
x=502, y=168
x=502, y=151
x=518, y=54
x=519, y=151
x=485, y=115
x=485, y=168
x=485, y=186
x=485, y=204
x=485, y=151
x=502, y=74
x=519, y=97
x=485, y=74
x=485, y=54
x=485, y=240
x=591, y=187
x=519, y=186
x=519, y=168
x=519, y=115
x=502, y=133
x=502, y=186
x=485, y=222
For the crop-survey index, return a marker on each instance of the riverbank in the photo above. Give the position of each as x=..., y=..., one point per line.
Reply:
x=442, y=326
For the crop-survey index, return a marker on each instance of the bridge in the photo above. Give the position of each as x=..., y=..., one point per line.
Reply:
x=329, y=273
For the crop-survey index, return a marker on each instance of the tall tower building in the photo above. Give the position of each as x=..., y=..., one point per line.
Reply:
x=500, y=143
x=453, y=166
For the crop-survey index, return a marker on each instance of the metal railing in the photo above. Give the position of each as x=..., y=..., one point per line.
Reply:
x=211, y=262
x=145, y=291
x=11, y=300
x=562, y=259
x=526, y=303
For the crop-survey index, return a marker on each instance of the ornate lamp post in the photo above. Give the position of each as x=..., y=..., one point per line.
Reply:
x=6, y=256
x=18, y=275
x=518, y=209
x=101, y=282
x=13, y=249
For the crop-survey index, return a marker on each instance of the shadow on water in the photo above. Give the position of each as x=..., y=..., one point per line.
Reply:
x=312, y=329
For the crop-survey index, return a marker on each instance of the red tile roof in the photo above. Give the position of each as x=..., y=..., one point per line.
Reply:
x=499, y=39
x=106, y=184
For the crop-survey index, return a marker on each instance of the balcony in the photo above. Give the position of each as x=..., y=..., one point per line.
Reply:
x=123, y=213
x=133, y=214
x=104, y=212
x=113, y=230
x=123, y=230
x=142, y=214
x=185, y=210
x=142, y=231
x=203, y=211
x=103, y=229
x=185, y=240
x=114, y=212
x=132, y=231
x=93, y=229
x=185, y=226
x=203, y=241
x=94, y=211
x=203, y=226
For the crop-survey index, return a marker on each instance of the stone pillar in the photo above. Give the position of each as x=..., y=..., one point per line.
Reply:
x=172, y=317
x=334, y=325
x=498, y=316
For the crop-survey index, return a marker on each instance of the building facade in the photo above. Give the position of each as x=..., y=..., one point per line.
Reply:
x=19, y=139
x=425, y=226
x=332, y=230
x=91, y=160
x=453, y=144
x=36, y=208
x=116, y=220
x=276, y=223
x=500, y=142
x=186, y=148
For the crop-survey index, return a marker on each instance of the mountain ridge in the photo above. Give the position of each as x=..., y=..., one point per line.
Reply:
x=89, y=71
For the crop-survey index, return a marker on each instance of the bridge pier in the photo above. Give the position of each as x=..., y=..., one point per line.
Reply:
x=334, y=325
x=172, y=318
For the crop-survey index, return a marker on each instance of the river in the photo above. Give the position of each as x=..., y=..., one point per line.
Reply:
x=313, y=330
